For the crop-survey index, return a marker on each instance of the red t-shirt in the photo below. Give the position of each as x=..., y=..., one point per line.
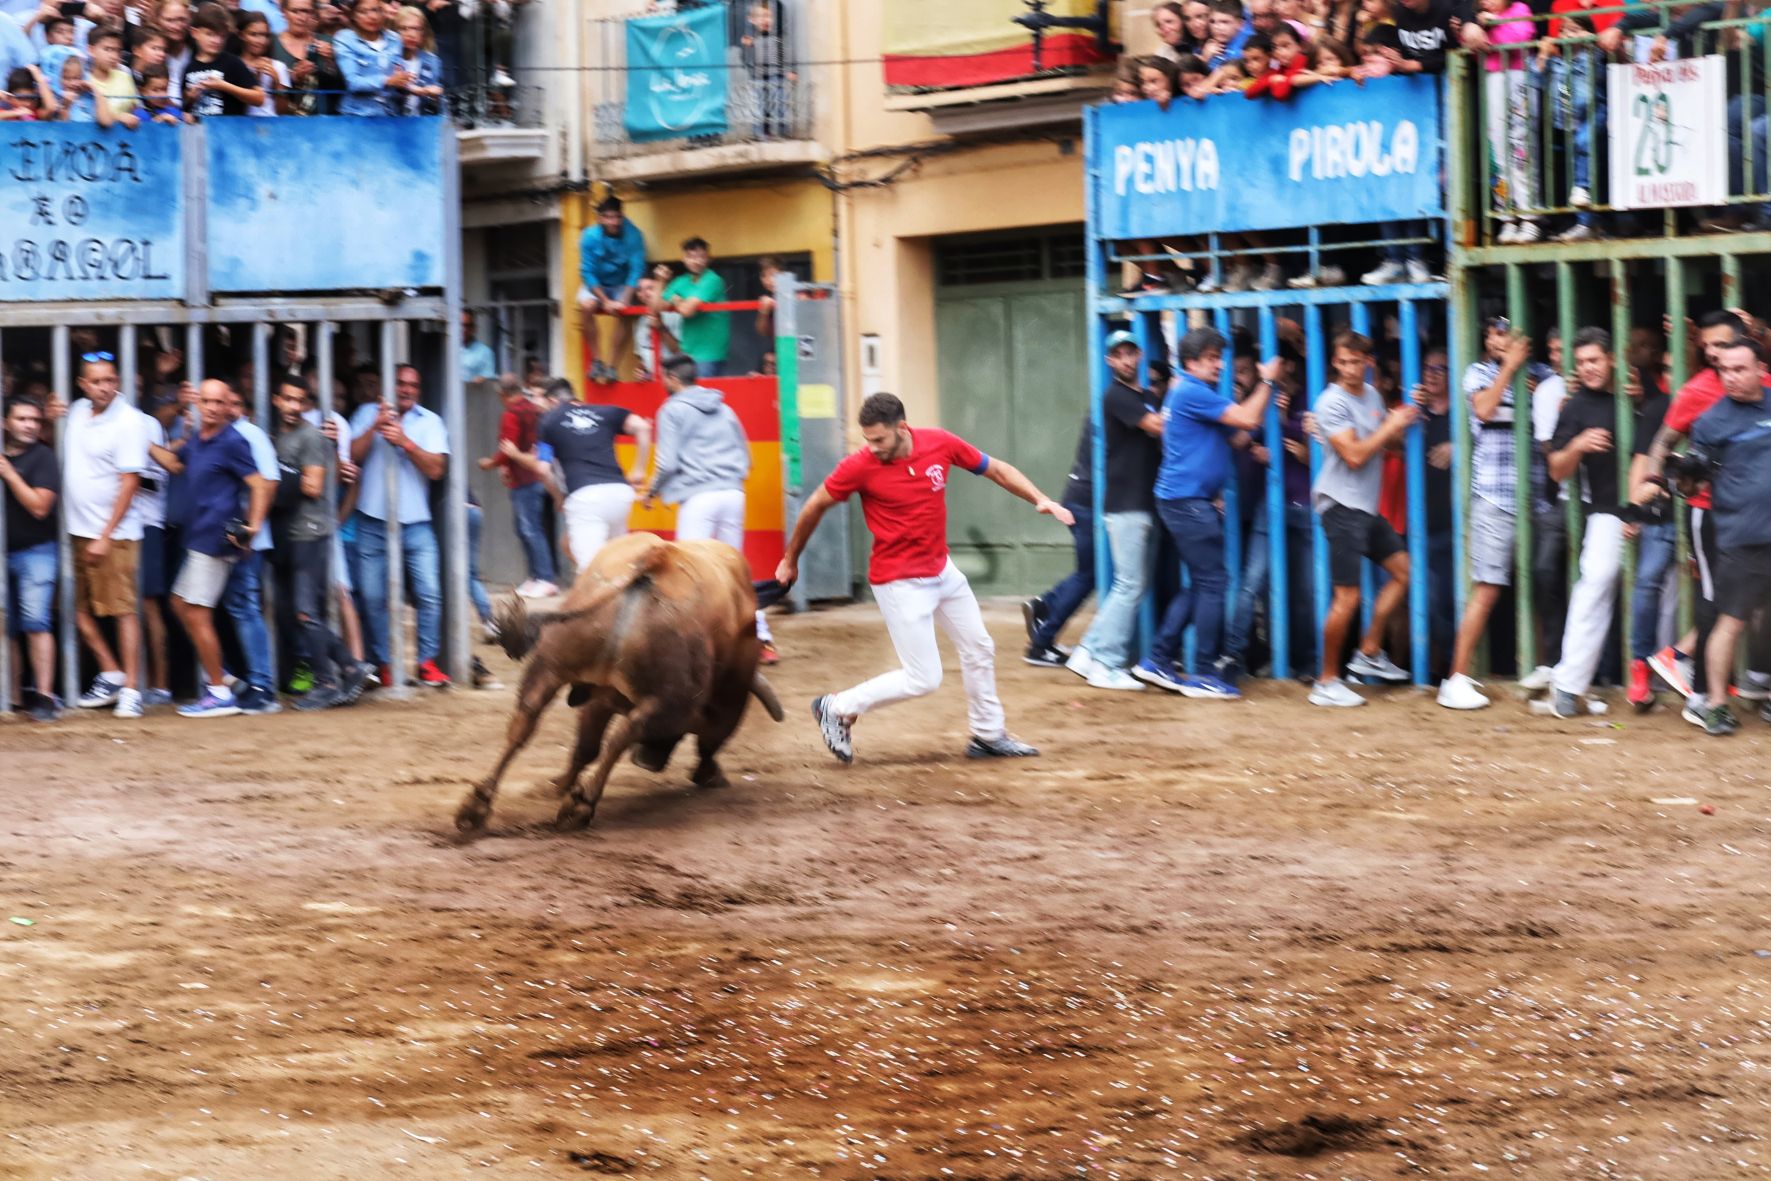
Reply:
x=519, y=427
x=905, y=501
x=1695, y=397
x=1599, y=23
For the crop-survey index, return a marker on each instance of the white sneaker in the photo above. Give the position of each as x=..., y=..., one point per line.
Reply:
x=1271, y=278
x=1103, y=677
x=1334, y=694
x=129, y=704
x=1082, y=664
x=1755, y=686
x=1460, y=692
x=1390, y=271
x=1509, y=233
x=1529, y=231
x=1578, y=232
x=501, y=78
x=1210, y=285
x=1580, y=198
x=1417, y=271
x=1331, y=276
x=102, y=692
x=1539, y=680
x=1377, y=667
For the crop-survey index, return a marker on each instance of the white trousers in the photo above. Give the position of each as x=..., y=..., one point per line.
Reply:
x=1590, y=604
x=718, y=516
x=595, y=514
x=911, y=607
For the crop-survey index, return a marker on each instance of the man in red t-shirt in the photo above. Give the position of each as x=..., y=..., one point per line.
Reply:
x=901, y=476
x=528, y=495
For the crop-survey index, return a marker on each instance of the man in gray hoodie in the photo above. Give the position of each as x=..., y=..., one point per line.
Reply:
x=703, y=459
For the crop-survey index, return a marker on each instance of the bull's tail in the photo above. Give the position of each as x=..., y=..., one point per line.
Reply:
x=519, y=629
x=765, y=693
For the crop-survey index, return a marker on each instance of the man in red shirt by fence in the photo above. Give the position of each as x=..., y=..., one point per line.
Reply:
x=528, y=494
x=901, y=477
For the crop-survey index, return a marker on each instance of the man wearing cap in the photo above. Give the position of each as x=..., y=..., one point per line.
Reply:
x=1132, y=424
x=611, y=259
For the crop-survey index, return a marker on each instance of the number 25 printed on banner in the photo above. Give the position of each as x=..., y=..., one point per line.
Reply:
x=1669, y=134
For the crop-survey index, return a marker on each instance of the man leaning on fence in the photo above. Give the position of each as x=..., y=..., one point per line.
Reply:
x=32, y=484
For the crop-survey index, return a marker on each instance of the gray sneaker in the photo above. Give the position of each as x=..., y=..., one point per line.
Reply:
x=1378, y=668
x=1004, y=747
x=835, y=730
x=1566, y=705
x=1334, y=695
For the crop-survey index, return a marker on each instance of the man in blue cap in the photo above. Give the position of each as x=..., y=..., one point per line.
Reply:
x=1132, y=422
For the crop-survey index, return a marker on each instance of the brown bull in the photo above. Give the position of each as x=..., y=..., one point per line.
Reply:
x=661, y=632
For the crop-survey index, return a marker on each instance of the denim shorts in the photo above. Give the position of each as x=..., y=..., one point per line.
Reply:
x=32, y=572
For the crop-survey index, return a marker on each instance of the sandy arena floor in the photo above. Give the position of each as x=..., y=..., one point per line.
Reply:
x=1193, y=941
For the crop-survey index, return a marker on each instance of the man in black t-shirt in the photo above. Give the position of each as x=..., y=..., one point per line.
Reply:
x=32, y=482
x=599, y=495
x=1132, y=428
x=216, y=82
x=1585, y=446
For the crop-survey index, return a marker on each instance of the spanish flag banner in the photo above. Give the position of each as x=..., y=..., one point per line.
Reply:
x=941, y=43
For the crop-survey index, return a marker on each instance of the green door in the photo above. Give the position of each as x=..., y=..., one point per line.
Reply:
x=1012, y=359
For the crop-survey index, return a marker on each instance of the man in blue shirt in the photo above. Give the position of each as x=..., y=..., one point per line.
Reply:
x=1199, y=420
x=219, y=472
x=477, y=361
x=611, y=259
x=416, y=442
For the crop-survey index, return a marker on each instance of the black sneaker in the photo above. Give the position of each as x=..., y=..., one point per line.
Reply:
x=44, y=707
x=1033, y=615
x=353, y=680
x=836, y=730
x=319, y=697
x=1719, y=721
x=254, y=700
x=998, y=748
x=1049, y=656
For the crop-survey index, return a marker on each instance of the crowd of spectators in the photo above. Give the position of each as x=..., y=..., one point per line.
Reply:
x=1174, y=442
x=181, y=510
x=172, y=61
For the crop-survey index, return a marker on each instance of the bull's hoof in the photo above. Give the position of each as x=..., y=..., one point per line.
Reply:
x=471, y=817
x=574, y=816
x=648, y=758
x=561, y=784
x=709, y=776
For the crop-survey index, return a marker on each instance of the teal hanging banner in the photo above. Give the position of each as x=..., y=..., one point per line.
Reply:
x=676, y=74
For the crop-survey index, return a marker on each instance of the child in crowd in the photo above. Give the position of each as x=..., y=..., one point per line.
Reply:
x=148, y=51
x=77, y=103
x=1195, y=77
x=1509, y=93
x=158, y=103
x=1125, y=87
x=424, y=95
x=1290, y=62
x=113, y=86
x=1158, y=81
x=27, y=98
x=254, y=32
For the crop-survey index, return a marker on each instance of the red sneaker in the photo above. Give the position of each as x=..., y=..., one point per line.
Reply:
x=384, y=675
x=769, y=654
x=430, y=674
x=1641, y=694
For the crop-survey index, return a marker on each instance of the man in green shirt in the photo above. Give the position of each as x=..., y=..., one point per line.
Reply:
x=705, y=335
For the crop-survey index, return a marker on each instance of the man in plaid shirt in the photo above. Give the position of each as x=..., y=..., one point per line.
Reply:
x=1494, y=480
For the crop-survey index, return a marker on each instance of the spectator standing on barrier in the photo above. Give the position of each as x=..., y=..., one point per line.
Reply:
x=1433, y=396
x=368, y=57
x=32, y=485
x=519, y=426
x=706, y=336
x=215, y=81
x=104, y=453
x=901, y=476
x=254, y=36
x=1198, y=423
x=302, y=522
x=1586, y=443
x=175, y=26
x=1494, y=479
x=763, y=50
x=1423, y=34
x=656, y=332
x=703, y=460
x=611, y=261
x=424, y=92
x=1733, y=441
x=1355, y=429
x=244, y=600
x=599, y=495
x=1131, y=420
x=307, y=55
x=220, y=472
x=477, y=361
x=416, y=442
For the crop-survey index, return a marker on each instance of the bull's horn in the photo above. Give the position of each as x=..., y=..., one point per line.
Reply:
x=765, y=693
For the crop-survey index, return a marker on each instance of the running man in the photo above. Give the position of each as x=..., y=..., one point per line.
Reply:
x=901, y=476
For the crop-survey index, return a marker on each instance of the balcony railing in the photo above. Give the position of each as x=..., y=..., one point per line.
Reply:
x=764, y=104
x=1542, y=127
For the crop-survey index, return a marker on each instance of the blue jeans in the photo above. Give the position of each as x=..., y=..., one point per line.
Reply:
x=1251, y=596
x=482, y=604
x=1198, y=531
x=244, y=604
x=1654, y=557
x=1400, y=229
x=32, y=572
x=424, y=584
x=1062, y=600
x=1128, y=540
x=526, y=504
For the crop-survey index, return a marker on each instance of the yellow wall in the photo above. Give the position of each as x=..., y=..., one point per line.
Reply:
x=739, y=220
x=888, y=285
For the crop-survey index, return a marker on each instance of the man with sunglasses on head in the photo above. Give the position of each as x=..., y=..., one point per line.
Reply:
x=104, y=453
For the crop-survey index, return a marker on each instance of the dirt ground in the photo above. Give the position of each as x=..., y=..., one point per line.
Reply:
x=1194, y=940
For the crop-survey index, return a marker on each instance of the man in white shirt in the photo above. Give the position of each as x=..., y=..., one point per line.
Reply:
x=415, y=440
x=105, y=452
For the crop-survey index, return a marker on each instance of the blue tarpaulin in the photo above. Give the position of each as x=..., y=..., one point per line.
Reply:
x=676, y=74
